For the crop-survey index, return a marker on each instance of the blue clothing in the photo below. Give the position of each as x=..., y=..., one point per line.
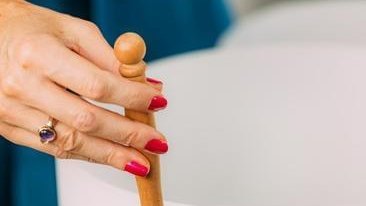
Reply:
x=27, y=177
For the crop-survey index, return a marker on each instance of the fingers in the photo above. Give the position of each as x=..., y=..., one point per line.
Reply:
x=155, y=83
x=81, y=115
x=89, y=42
x=71, y=144
x=100, y=150
x=83, y=77
x=26, y=138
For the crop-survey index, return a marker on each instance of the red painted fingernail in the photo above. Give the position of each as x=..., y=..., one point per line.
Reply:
x=158, y=103
x=136, y=169
x=154, y=81
x=157, y=146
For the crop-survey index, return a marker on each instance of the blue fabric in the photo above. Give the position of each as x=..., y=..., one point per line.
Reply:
x=168, y=27
x=5, y=168
x=27, y=177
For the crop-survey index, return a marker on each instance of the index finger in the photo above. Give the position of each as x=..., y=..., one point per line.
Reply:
x=83, y=77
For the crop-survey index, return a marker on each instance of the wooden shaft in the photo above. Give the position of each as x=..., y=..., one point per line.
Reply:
x=149, y=187
x=130, y=50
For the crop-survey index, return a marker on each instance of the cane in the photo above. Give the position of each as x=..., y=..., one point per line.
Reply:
x=130, y=50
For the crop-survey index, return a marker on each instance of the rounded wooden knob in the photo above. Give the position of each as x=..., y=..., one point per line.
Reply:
x=129, y=48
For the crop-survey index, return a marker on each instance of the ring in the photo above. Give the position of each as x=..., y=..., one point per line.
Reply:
x=47, y=133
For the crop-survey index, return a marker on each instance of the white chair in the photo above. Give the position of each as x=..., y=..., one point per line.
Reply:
x=260, y=126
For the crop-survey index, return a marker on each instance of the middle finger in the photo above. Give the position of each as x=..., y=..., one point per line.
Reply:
x=91, y=119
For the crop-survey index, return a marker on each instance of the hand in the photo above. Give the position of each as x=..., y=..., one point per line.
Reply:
x=42, y=52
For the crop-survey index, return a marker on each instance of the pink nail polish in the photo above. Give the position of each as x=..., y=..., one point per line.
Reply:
x=157, y=146
x=154, y=81
x=136, y=169
x=158, y=103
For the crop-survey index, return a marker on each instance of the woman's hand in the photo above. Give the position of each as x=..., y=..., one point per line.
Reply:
x=42, y=52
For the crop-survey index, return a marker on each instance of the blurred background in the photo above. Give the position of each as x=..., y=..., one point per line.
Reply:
x=323, y=22
x=174, y=27
x=180, y=26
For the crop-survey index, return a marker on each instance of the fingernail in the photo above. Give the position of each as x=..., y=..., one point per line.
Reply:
x=157, y=146
x=136, y=169
x=154, y=81
x=157, y=103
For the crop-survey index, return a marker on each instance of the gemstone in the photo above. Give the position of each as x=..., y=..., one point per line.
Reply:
x=47, y=134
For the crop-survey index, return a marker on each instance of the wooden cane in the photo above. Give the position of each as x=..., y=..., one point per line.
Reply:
x=130, y=50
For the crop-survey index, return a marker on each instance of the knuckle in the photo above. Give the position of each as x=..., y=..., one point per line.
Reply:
x=62, y=154
x=91, y=27
x=129, y=138
x=11, y=85
x=27, y=49
x=132, y=99
x=138, y=96
x=114, y=156
x=97, y=89
x=85, y=121
x=69, y=141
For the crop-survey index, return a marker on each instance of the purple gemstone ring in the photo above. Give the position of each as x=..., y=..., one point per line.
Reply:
x=47, y=133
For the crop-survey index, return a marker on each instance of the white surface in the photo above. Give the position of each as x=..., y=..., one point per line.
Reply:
x=81, y=183
x=243, y=7
x=271, y=126
x=307, y=21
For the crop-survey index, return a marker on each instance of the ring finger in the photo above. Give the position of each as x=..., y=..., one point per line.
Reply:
x=70, y=142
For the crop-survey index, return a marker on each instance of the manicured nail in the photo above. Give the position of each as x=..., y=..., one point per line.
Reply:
x=136, y=169
x=154, y=81
x=158, y=103
x=157, y=146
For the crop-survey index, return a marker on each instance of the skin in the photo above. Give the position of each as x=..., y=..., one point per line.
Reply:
x=42, y=52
